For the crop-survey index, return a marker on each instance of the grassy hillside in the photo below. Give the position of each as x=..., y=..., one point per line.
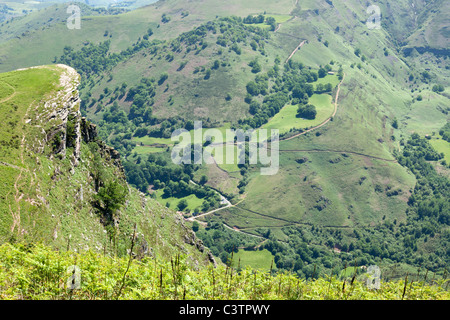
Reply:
x=51, y=197
x=123, y=29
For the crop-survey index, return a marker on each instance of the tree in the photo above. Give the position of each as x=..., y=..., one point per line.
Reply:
x=203, y=180
x=248, y=19
x=182, y=205
x=252, y=88
x=224, y=257
x=340, y=73
x=165, y=18
x=395, y=123
x=322, y=72
x=207, y=74
x=438, y=88
x=231, y=245
x=111, y=197
x=306, y=111
x=256, y=67
x=254, y=107
x=259, y=19
x=167, y=192
x=272, y=22
x=195, y=226
x=182, y=65
x=163, y=78
x=236, y=48
x=319, y=88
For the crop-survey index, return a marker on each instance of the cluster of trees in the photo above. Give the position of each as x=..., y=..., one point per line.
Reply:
x=322, y=88
x=259, y=86
x=445, y=132
x=254, y=19
x=165, y=18
x=323, y=71
x=301, y=93
x=234, y=32
x=270, y=91
x=256, y=67
x=262, y=112
x=431, y=196
x=90, y=59
x=93, y=59
x=174, y=180
x=416, y=152
x=438, y=88
x=116, y=115
x=156, y=171
x=261, y=19
x=221, y=240
x=143, y=98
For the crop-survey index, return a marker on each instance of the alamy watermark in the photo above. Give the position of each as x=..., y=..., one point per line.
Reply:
x=74, y=278
x=374, y=21
x=208, y=146
x=74, y=21
x=373, y=277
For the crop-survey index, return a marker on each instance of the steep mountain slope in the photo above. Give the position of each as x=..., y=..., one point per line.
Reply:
x=62, y=186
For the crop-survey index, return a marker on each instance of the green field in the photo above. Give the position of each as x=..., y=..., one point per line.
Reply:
x=192, y=201
x=279, y=18
x=329, y=78
x=258, y=259
x=142, y=150
x=148, y=144
x=286, y=119
x=442, y=146
x=222, y=161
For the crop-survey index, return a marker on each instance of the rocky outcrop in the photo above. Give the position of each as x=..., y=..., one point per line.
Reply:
x=88, y=130
x=65, y=127
x=60, y=116
x=191, y=239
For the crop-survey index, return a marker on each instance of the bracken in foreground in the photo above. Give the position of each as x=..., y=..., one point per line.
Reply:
x=39, y=272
